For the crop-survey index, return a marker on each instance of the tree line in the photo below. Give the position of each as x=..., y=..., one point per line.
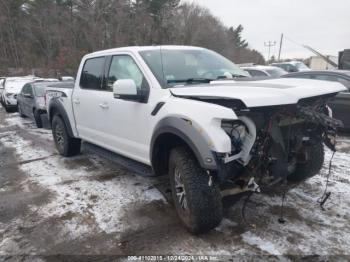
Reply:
x=55, y=34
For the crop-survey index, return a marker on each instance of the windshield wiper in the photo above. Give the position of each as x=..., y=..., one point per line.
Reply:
x=233, y=75
x=191, y=80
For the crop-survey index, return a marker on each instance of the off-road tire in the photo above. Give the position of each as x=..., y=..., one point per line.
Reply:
x=314, y=164
x=7, y=109
x=37, y=118
x=20, y=111
x=204, y=204
x=67, y=146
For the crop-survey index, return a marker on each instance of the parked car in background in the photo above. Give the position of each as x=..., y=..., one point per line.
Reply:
x=344, y=60
x=264, y=71
x=31, y=101
x=67, y=78
x=12, y=86
x=2, y=81
x=340, y=105
x=293, y=66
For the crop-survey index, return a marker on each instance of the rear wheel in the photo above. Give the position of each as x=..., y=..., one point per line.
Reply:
x=66, y=145
x=197, y=203
x=313, y=164
x=37, y=118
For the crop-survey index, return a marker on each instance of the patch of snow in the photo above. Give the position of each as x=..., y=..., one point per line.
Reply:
x=23, y=147
x=15, y=120
x=225, y=225
x=97, y=204
x=263, y=244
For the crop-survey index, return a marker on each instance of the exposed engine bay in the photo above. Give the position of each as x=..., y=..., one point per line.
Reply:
x=272, y=144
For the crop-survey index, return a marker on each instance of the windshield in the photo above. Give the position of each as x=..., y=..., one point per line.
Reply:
x=174, y=66
x=40, y=90
x=301, y=65
x=15, y=86
x=276, y=72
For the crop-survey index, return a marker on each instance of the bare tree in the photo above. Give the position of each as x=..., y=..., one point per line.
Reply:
x=56, y=33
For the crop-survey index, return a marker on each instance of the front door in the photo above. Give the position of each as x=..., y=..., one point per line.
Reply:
x=27, y=97
x=127, y=123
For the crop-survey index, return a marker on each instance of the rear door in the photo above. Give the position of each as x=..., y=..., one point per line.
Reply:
x=87, y=100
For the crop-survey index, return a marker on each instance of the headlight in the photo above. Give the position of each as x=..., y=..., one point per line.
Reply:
x=329, y=111
x=8, y=94
x=236, y=130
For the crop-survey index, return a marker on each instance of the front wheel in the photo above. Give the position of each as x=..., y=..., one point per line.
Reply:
x=7, y=109
x=198, y=204
x=66, y=145
x=20, y=111
x=37, y=118
x=311, y=166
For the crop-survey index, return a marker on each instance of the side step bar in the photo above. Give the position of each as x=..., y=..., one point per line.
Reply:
x=132, y=165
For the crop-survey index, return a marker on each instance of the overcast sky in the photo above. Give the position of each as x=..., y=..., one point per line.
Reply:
x=321, y=24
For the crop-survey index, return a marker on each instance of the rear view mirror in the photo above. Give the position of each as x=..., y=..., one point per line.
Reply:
x=126, y=89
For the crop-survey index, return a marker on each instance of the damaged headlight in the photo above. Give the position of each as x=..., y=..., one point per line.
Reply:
x=236, y=130
x=243, y=135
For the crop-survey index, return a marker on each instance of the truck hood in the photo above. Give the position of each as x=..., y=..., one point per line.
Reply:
x=271, y=92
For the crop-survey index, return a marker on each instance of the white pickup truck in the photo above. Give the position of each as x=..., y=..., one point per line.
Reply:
x=183, y=112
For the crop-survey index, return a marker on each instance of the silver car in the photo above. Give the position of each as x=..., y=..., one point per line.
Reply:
x=31, y=101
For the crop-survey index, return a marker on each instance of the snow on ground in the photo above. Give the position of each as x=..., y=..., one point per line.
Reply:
x=88, y=205
x=74, y=189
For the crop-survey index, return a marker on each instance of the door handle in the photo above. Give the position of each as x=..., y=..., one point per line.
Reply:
x=104, y=105
x=76, y=101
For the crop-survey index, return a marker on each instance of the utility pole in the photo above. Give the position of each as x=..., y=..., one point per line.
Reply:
x=269, y=44
x=279, y=53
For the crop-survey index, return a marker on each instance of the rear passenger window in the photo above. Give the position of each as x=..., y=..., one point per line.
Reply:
x=92, y=74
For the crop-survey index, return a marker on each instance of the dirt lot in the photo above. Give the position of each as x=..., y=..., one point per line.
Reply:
x=86, y=205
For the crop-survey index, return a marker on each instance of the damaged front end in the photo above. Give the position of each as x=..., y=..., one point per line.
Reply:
x=275, y=144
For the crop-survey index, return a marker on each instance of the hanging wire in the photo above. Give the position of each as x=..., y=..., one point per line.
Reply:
x=322, y=200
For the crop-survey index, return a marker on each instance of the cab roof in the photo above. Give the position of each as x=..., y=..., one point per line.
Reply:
x=142, y=48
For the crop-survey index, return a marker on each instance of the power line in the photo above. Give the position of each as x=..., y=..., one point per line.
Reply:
x=279, y=53
x=269, y=44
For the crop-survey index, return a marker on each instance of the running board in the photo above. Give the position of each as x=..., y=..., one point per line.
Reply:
x=132, y=165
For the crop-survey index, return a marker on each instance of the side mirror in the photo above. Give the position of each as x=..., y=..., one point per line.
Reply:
x=28, y=95
x=126, y=89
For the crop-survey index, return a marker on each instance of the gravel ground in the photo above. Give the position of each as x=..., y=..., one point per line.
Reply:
x=86, y=205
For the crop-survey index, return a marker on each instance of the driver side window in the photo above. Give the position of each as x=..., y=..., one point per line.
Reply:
x=30, y=90
x=124, y=67
x=25, y=89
